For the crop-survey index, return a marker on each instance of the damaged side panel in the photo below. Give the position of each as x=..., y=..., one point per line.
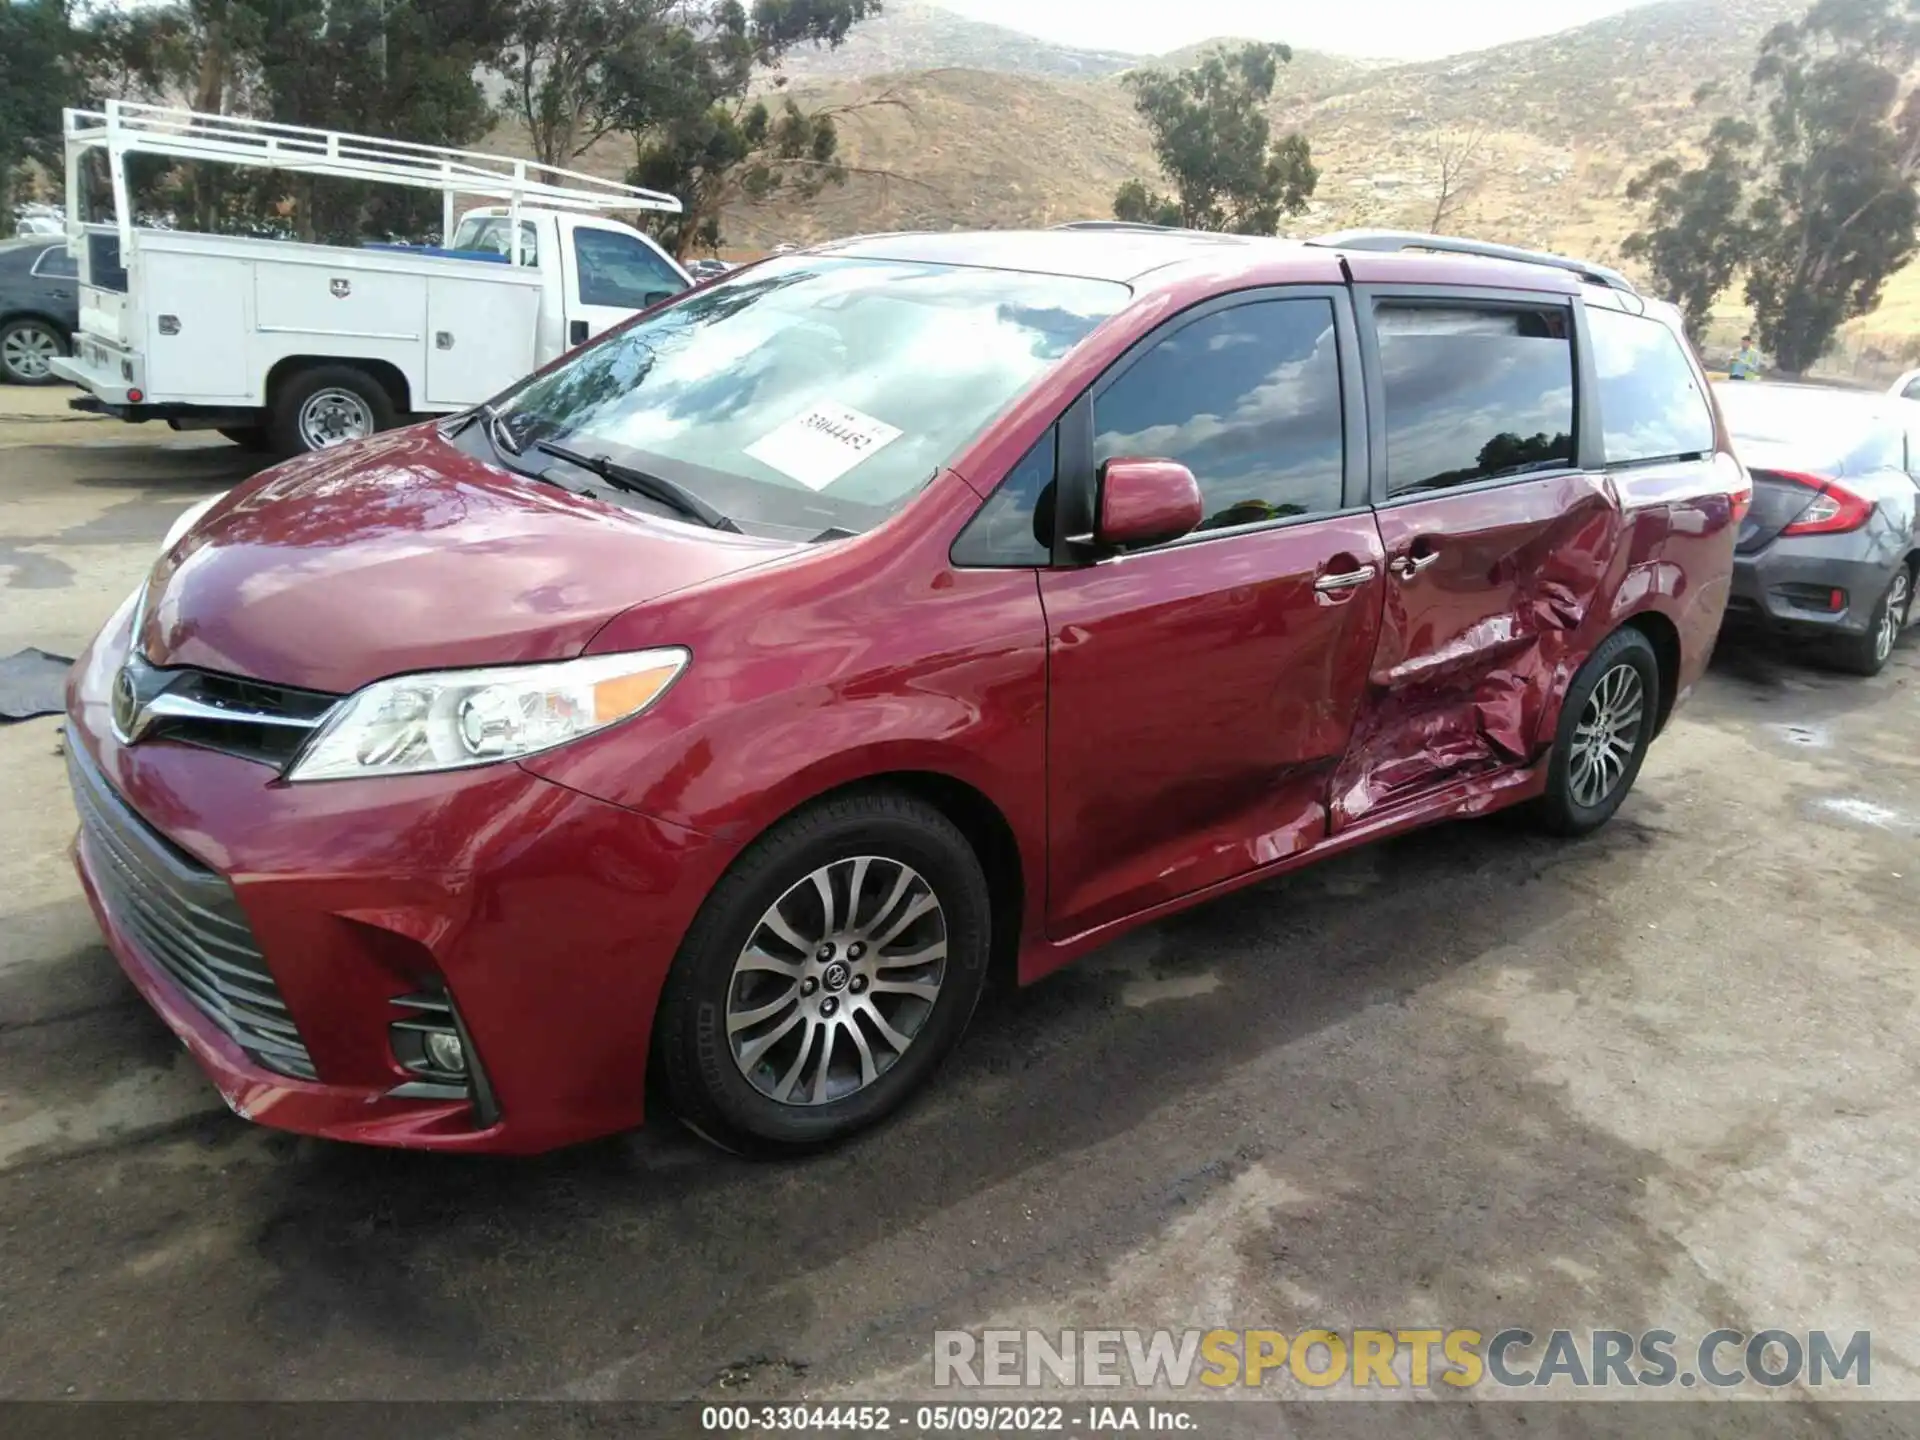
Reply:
x=1477, y=643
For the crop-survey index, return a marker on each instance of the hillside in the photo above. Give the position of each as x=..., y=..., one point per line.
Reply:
x=911, y=35
x=1568, y=119
x=1015, y=137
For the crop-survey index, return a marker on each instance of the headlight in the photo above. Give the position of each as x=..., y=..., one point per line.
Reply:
x=186, y=521
x=450, y=719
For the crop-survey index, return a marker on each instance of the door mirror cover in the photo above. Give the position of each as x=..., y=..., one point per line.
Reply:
x=1146, y=502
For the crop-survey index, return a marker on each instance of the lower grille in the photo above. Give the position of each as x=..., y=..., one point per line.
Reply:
x=184, y=919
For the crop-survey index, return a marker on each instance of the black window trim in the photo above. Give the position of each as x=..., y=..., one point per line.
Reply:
x=1079, y=483
x=41, y=258
x=1588, y=455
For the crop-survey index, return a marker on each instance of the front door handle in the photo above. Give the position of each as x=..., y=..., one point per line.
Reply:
x=1345, y=580
x=577, y=333
x=1407, y=566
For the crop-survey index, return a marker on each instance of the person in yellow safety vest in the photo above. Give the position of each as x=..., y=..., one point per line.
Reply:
x=1746, y=361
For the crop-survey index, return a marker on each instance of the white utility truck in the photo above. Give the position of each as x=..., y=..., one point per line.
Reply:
x=291, y=347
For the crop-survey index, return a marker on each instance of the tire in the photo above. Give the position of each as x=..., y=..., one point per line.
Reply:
x=1868, y=654
x=770, y=1085
x=308, y=399
x=251, y=437
x=27, y=346
x=1583, y=792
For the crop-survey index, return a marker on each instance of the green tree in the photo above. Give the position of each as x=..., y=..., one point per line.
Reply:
x=1816, y=202
x=688, y=95
x=561, y=61
x=1697, y=231
x=1215, y=146
x=40, y=64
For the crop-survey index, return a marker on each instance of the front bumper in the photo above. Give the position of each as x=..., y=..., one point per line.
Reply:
x=548, y=919
x=1777, y=586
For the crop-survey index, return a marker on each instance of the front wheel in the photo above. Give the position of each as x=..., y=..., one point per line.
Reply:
x=827, y=975
x=1605, y=727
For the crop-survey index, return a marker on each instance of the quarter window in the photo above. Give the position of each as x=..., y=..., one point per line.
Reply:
x=57, y=264
x=1015, y=526
x=1474, y=393
x=1651, y=407
x=1246, y=398
x=621, y=271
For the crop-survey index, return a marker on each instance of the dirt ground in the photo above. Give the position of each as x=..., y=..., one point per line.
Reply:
x=1662, y=1077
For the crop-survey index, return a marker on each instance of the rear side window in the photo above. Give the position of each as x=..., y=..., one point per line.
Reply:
x=1474, y=393
x=1246, y=398
x=1651, y=407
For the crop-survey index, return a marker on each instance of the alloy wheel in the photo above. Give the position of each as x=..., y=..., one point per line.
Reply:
x=1607, y=735
x=1893, y=615
x=334, y=416
x=29, y=351
x=836, y=980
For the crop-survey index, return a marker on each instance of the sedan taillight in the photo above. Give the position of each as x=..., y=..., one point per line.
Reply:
x=1834, y=510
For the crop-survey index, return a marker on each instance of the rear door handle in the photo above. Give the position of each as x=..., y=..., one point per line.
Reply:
x=1345, y=580
x=1407, y=566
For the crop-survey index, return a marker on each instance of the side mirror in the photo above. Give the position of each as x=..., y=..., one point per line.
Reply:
x=1146, y=502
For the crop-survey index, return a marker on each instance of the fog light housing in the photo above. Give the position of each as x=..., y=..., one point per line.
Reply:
x=445, y=1052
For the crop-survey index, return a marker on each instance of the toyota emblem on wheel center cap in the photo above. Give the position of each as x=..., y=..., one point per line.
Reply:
x=835, y=976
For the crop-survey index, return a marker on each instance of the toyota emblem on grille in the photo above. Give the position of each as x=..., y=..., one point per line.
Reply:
x=134, y=690
x=126, y=705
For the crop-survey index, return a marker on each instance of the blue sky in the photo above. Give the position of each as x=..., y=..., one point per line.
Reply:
x=1387, y=29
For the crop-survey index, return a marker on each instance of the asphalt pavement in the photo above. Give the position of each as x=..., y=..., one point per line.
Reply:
x=1660, y=1077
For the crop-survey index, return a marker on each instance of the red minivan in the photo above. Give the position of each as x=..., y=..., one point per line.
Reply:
x=711, y=714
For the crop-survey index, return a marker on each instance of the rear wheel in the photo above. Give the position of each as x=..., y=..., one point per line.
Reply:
x=1868, y=654
x=827, y=975
x=1605, y=727
x=326, y=406
x=28, y=349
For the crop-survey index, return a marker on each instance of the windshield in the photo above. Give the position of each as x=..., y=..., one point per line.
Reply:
x=1836, y=432
x=816, y=391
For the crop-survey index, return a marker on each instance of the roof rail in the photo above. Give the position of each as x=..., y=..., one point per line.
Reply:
x=1395, y=240
x=1116, y=225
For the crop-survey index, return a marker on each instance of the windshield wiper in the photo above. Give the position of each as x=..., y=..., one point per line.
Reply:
x=639, y=482
x=495, y=428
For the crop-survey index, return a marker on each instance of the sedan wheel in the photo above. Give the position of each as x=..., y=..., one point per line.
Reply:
x=837, y=979
x=1893, y=616
x=28, y=349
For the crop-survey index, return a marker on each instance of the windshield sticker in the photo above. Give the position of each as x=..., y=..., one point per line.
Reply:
x=818, y=447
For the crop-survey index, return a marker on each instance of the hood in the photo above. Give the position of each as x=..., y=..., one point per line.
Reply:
x=405, y=554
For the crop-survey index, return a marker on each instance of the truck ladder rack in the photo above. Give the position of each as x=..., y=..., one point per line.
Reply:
x=125, y=128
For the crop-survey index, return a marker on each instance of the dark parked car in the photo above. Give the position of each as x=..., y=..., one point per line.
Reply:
x=39, y=308
x=722, y=704
x=1828, y=550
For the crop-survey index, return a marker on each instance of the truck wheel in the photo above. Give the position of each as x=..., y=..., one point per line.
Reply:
x=327, y=406
x=27, y=351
